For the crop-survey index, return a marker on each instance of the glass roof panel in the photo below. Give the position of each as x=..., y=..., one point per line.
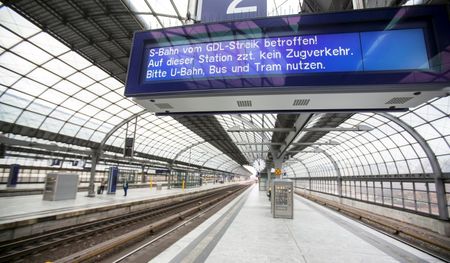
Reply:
x=95, y=73
x=442, y=104
x=16, y=98
x=81, y=79
x=7, y=38
x=127, y=104
x=75, y=60
x=31, y=53
x=124, y=114
x=74, y=104
x=286, y=7
x=16, y=23
x=59, y=68
x=53, y=96
x=429, y=113
x=30, y=119
x=67, y=87
x=9, y=113
x=7, y=77
x=111, y=83
x=162, y=7
x=428, y=132
x=98, y=89
x=15, y=63
x=113, y=97
x=41, y=106
x=70, y=129
x=113, y=109
x=85, y=96
x=30, y=87
x=85, y=133
x=46, y=42
x=442, y=126
x=89, y=110
x=52, y=124
x=103, y=115
x=44, y=76
x=61, y=113
x=149, y=21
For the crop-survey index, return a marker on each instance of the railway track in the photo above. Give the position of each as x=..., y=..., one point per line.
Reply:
x=146, y=250
x=47, y=246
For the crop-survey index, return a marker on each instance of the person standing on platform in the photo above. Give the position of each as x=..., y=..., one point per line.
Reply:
x=102, y=186
x=125, y=187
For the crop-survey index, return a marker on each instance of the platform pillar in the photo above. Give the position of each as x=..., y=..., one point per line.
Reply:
x=94, y=161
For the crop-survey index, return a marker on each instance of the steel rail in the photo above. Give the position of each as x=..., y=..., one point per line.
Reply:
x=24, y=247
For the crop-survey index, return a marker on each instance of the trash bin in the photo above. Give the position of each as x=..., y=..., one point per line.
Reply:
x=158, y=186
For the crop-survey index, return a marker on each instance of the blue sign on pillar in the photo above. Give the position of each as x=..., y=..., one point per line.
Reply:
x=220, y=10
x=13, y=175
x=112, y=179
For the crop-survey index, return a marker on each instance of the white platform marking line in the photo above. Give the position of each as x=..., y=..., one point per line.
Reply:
x=170, y=253
x=376, y=234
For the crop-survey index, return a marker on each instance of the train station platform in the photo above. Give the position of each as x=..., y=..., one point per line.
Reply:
x=29, y=214
x=245, y=231
x=38, y=188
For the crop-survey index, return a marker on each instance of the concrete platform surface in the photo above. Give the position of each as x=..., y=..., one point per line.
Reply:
x=245, y=231
x=17, y=208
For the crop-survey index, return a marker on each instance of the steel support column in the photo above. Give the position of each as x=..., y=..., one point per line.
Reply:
x=95, y=157
x=184, y=150
x=338, y=172
x=307, y=170
x=438, y=179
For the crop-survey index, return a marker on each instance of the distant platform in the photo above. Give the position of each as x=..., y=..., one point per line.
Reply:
x=30, y=214
x=245, y=231
x=38, y=188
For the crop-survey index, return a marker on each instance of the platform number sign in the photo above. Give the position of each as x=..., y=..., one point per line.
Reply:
x=220, y=10
x=234, y=9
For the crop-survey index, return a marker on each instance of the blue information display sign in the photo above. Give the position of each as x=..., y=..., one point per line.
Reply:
x=112, y=179
x=365, y=51
x=391, y=47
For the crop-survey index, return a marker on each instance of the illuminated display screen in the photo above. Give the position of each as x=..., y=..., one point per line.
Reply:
x=348, y=52
x=378, y=49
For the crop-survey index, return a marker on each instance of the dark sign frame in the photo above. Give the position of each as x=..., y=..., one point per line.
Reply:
x=433, y=19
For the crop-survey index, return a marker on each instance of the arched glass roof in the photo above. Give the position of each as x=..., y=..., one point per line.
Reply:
x=163, y=136
x=45, y=85
x=251, y=151
x=388, y=149
x=155, y=14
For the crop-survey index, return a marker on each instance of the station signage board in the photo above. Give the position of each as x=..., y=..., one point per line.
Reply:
x=402, y=49
x=221, y=10
x=372, y=50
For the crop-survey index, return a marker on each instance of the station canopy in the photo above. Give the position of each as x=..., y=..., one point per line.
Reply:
x=62, y=73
